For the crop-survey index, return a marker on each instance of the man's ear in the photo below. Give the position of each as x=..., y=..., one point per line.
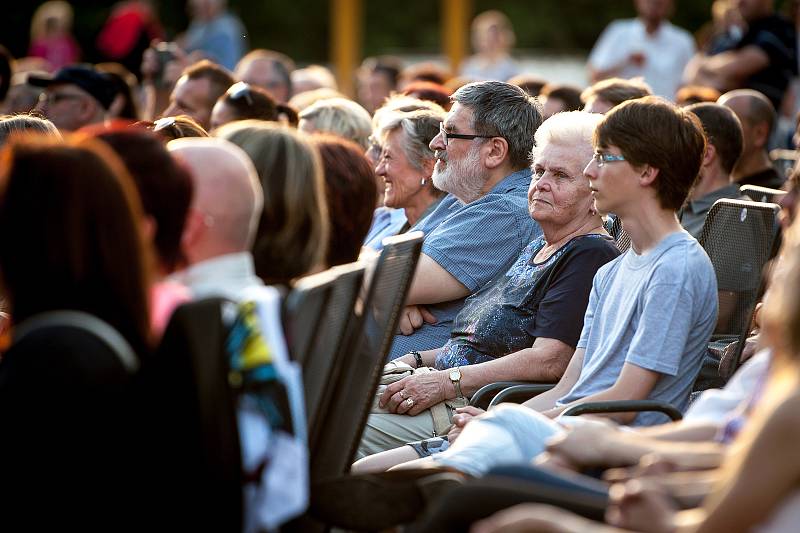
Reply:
x=116, y=106
x=496, y=152
x=192, y=231
x=710, y=155
x=761, y=134
x=87, y=109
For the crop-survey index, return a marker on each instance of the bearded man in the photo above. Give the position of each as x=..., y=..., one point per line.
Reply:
x=482, y=225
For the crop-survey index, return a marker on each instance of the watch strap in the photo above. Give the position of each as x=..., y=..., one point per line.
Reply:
x=457, y=384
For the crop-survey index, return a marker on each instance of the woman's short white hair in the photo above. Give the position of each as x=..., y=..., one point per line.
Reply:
x=341, y=117
x=566, y=129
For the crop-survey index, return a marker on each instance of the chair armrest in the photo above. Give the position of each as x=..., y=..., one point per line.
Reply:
x=624, y=406
x=484, y=395
x=520, y=393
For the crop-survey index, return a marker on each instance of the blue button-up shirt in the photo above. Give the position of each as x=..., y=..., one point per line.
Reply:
x=385, y=223
x=474, y=242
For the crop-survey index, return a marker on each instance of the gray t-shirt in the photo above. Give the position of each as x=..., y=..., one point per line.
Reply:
x=656, y=311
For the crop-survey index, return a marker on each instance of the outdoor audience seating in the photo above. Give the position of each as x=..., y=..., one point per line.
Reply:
x=504, y=486
x=758, y=193
x=191, y=422
x=302, y=312
x=738, y=237
x=329, y=337
x=347, y=401
x=614, y=228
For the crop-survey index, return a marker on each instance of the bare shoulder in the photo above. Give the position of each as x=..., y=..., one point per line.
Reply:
x=785, y=419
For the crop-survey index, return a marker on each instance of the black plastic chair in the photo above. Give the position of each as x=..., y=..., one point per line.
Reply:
x=621, y=238
x=346, y=411
x=520, y=393
x=328, y=339
x=484, y=396
x=762, y=194
x=346, y=403
x=302, y=311
x=739, y=238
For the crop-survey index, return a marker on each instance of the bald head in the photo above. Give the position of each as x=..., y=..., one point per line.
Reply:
x=749, y=105
x=227, y=192
x=756, y=114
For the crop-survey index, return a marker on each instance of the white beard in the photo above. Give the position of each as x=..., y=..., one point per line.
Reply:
x=461, y=177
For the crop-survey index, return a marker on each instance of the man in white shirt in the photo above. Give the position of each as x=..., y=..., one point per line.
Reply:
x=647, y=46
x=219, y=232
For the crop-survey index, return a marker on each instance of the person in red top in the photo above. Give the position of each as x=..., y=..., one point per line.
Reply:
x=128, y=31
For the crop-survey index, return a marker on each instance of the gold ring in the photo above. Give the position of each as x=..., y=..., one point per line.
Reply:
x=410, y=402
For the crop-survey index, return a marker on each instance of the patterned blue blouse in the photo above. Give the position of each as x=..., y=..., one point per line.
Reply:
x=530, y=300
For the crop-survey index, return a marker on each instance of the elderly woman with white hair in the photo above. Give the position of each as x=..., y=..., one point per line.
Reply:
x=524, y=324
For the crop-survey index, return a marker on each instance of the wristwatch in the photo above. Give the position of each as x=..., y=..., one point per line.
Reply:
x=455, y=377
x=417, y=359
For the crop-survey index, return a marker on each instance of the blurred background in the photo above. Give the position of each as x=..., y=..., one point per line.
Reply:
x=553, y=36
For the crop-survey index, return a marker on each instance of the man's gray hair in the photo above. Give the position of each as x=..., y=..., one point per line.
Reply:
x=574, y=128
x=420, y=128
x=503, y=110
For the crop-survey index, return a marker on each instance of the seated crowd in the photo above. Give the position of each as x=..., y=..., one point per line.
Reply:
x=119, y=231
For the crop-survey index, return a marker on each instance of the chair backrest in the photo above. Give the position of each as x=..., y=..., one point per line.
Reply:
x=318, y=365
x=614, y=227
x=739, y=237
x=758, y=193
x=193, y=421
x=303, y=309
x=360, y=362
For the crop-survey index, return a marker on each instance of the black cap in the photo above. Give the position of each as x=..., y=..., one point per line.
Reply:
x=97, y=84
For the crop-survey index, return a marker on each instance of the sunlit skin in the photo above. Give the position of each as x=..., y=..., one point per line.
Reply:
x=403, y=182
x=598, y=105
x=63, y=106
x=559, y=194
x=190, y=97
x=613, y=184
x=222, y=114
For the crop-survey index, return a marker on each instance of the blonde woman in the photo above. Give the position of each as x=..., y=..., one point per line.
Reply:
x=293, y=231
x=51, y=35
x=338, y=116
x=492, y=39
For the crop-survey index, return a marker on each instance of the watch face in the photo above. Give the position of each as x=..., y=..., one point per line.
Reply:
x=455, y=374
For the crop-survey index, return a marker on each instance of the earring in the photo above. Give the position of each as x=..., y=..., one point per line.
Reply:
x=423, y=182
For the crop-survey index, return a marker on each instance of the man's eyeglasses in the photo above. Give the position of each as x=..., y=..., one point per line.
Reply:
x=601, y=159
x=240, y=89
x=446, y=136
x=54, y=98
